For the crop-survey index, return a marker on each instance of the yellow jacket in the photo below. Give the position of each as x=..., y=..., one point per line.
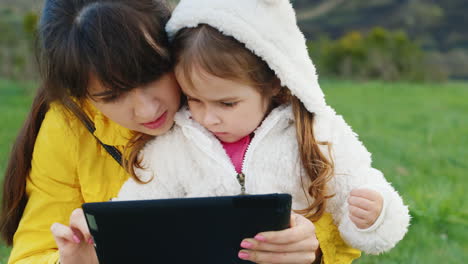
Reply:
x=69, y=167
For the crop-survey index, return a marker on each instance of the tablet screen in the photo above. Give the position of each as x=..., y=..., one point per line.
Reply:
x=184, y=230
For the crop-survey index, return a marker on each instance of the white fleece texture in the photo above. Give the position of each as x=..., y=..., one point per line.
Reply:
x=189, y=161
x=268, y=29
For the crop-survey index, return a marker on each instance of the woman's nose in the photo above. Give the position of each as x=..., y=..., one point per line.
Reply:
x=145, y=106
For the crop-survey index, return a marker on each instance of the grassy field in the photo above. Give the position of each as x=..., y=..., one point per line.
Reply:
x=15, y=99
x=418, y=134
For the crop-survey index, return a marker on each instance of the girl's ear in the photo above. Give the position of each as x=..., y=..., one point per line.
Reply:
x=280, y=94
x=276, y=87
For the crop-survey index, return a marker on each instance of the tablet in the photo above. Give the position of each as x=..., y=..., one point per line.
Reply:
x=185, y=230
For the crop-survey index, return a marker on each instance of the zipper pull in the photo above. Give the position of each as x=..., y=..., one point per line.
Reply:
x=241, y=179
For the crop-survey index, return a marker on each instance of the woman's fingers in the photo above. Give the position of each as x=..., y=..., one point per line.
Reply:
x=286, y=236
x=71, y=240
x=310, y=244
x=63, y=233
x=277, y=257
x=76, y=232
x=293, y=221
x=301, y=230
x=297, y=244
x=78, y=224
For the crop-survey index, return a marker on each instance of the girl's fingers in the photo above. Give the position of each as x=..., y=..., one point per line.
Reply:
x=275, y=257
x=359, y=222
x=360, y=202
x=366, y=194
x=78, y=224
x=358, y=212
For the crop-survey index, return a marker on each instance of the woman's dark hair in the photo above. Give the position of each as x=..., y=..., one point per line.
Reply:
x=120, y=42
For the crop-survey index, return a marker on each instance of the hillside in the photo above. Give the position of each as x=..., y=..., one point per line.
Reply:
x=436, y=24
x=439, y=25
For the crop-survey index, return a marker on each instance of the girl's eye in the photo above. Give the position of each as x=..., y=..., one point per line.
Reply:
x=190, y=99
x=229, y=104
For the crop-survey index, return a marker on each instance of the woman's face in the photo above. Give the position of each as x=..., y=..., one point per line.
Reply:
x=148, y=109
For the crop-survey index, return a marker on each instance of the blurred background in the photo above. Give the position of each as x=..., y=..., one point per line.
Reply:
x=397, y=70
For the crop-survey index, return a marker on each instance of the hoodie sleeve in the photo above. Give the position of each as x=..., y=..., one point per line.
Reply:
x=353, y=170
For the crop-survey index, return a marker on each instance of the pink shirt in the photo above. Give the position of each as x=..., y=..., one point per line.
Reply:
x=236, y=151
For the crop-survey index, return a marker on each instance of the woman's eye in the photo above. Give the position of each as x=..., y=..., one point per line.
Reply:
x=229, y=104
x=111, y=98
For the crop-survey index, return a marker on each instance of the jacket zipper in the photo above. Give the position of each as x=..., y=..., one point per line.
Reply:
x=241, y=176
x=257, y=138
x=241, y=179
x=259, y=135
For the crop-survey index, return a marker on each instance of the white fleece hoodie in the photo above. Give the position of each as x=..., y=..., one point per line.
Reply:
x=189, y=161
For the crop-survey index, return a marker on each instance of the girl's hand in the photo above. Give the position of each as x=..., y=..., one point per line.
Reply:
x=74, y=242
x=297, y=244
x=365, y=207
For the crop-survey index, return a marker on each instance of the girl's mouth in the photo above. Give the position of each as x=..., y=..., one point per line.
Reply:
x=219, y=134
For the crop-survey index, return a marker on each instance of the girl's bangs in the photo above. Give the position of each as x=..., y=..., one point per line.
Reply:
x=194, y=50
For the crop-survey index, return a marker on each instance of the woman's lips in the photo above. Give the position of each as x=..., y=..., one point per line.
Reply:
x=156, y=123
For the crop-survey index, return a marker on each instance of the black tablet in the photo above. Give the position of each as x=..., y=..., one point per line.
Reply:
x=185, y=230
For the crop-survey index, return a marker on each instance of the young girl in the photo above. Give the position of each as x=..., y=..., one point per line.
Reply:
x=104, y=78
x=257, y=123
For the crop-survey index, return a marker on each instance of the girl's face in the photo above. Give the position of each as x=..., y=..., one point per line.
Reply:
x=148, y=109
x=228, y=109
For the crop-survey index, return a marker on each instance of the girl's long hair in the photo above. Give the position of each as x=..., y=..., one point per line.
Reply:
x=122, y=43
x=206, y=48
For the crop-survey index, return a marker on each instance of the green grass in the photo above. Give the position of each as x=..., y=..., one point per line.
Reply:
x=418, y=134
x=15, y=100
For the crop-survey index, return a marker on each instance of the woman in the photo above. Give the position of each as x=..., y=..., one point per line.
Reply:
x=107, y=80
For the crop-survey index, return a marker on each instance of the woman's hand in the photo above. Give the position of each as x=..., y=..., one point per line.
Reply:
x=365, y=207
x=74, y=242
x=297, y=244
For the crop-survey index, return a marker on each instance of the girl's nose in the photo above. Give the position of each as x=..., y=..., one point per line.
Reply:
x=211, y=118
x=145, y=107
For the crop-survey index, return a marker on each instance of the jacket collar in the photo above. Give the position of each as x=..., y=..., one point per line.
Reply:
x=278, y=119
x=107, y=131
x=281, y=116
